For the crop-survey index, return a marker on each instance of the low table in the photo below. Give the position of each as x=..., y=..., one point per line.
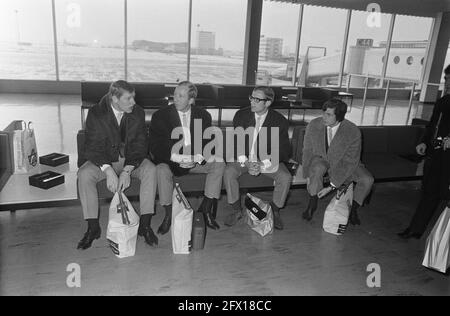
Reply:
x=18, y=194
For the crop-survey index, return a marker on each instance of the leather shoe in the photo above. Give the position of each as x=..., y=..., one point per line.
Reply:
x=233, y=218
x=88, y=238
x=210, y=221
x=407, y=234
x=165, y=225
x=149, y=237
x=277, y=222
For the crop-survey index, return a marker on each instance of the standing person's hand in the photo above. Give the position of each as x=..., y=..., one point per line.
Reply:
x=112, y=182
x=421, y=149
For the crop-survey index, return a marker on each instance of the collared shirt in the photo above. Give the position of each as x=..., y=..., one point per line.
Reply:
x=334, y=130
x=185, y=119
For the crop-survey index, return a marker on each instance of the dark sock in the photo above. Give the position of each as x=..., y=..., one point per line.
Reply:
x=313, y=200
x=93, y=224
x=274, y=207
x=355, y=206
x=206, y=205
x=168, y=209
x=145, y=220
x=237, y=206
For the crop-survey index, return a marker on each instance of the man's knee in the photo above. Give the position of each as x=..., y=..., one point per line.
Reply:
x=366, y=180
x=230, y=173
x=318, y=168
x=163, y=170
x=148, y=168
x=87, y=173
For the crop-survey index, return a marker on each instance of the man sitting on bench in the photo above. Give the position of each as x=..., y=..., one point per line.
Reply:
x=116, y=149
x=333, y=144
x=257, y=117
x=184, y=115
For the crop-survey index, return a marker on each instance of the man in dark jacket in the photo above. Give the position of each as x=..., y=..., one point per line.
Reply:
x=116, y=148
x=260, y=154
x=184, y=124
x=435, y=183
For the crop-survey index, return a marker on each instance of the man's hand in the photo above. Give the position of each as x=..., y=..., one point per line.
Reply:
x=112, y=181
x=421, y=149
x=124, y=181
x=325, y=191
x=187, y=165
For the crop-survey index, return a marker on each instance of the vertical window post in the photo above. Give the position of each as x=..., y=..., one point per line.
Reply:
x=55, y=40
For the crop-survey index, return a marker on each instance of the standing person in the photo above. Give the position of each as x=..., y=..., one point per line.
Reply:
x=333, y=144
x=435, y=183
x=116, y=149
x=184, y=114
x=259, y=115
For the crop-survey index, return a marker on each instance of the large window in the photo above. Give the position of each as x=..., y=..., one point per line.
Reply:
x=408, y=48
x=26, y=40
x=217, y=41
x=278, y=43
x=321, y=46
x=157, y=40
x=366, y=47
x=90, y=39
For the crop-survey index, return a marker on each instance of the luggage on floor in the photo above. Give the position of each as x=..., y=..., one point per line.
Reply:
x=437, y=254
x=259, y=215
x=182, y=215
x=338, y=210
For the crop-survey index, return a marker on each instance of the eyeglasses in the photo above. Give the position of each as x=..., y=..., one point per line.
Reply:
x=257, y=100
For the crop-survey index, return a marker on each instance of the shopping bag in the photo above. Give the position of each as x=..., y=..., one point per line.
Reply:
x=122, y=227
x=337, y=212
x=437, y=255
x=259, y=215
x=182, y=215
x=23, y=146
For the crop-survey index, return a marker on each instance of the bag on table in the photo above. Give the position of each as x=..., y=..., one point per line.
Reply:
x=23, y=146
x=259, y=215
x=437, y=255
x=123, y=226
x=337, y=212
x=182, y=215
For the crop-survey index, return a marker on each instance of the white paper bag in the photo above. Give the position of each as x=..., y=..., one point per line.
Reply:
x=23, y=146
x=336, y=216
x=263, y=226
x=122, y=237
x=437, y=255
x=181, y=228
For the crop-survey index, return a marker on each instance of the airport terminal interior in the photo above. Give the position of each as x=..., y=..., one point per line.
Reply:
x=51, y=50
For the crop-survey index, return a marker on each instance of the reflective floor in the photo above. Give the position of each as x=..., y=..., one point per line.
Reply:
x=36, y=246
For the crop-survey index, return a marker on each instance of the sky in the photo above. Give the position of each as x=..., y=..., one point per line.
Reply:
x=102, y=21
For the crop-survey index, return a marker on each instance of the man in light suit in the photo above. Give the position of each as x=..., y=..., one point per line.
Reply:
x=333, y=144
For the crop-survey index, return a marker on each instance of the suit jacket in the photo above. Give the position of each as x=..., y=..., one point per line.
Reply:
x=104, y=135
x=344, y=152
x=162, y=124
x=441, y=109
x=245, y=118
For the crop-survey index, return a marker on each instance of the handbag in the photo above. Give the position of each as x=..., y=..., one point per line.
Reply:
x=259, y=215
x=123, y=224
x=181, y=228
x=437, y=254
x=338, y=210
x=23, y=147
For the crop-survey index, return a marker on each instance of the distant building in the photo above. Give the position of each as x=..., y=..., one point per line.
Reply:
x=206, y=42
x=270, y=48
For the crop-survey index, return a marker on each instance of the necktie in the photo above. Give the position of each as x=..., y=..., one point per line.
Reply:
x=186, y=131
x=330, y=135
x=253, y=156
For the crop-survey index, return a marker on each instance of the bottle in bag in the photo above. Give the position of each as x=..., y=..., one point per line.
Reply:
x=198, y=231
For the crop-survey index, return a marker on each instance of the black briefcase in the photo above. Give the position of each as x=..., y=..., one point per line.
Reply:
x=46, y=180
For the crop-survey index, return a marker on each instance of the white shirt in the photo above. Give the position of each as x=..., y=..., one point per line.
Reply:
x=186, y=129
x=334, y=130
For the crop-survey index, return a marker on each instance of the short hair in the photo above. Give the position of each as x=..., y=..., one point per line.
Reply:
x=268, y=92
x=447, y=70
x=117, y=88
x=192, y=89
x=340, y=108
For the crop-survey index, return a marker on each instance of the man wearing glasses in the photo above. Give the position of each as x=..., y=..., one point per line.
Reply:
x=435, y=183
x=260, y=119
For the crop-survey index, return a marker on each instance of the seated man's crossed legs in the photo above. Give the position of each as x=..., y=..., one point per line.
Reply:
x=282, y=179
x=213, y=186
x=361, y=176
x=88, y=177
